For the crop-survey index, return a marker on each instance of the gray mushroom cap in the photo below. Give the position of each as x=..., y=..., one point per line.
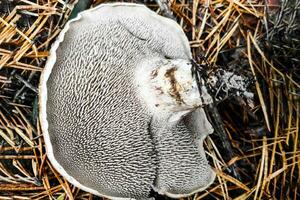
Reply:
x=101, y=131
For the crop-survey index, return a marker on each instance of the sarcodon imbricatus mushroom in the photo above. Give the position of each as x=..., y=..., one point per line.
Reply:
x=120, y=110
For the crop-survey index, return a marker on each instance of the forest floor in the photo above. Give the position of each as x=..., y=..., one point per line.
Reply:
x=246, y=37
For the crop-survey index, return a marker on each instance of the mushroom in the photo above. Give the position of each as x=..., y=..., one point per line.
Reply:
x=120, y=111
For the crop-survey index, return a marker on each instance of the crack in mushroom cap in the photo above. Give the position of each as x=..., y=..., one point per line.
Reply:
x=97, y=125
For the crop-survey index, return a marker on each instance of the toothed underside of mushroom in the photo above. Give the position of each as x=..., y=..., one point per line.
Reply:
x=95, y=122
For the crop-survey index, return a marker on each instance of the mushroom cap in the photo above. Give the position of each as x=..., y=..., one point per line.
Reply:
x=95, y=120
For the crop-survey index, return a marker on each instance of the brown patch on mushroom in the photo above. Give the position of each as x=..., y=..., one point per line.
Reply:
x=159, y=89
x=174, y=92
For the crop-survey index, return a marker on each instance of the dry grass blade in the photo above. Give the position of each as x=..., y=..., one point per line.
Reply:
x=233, y=180
x=260, y=95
